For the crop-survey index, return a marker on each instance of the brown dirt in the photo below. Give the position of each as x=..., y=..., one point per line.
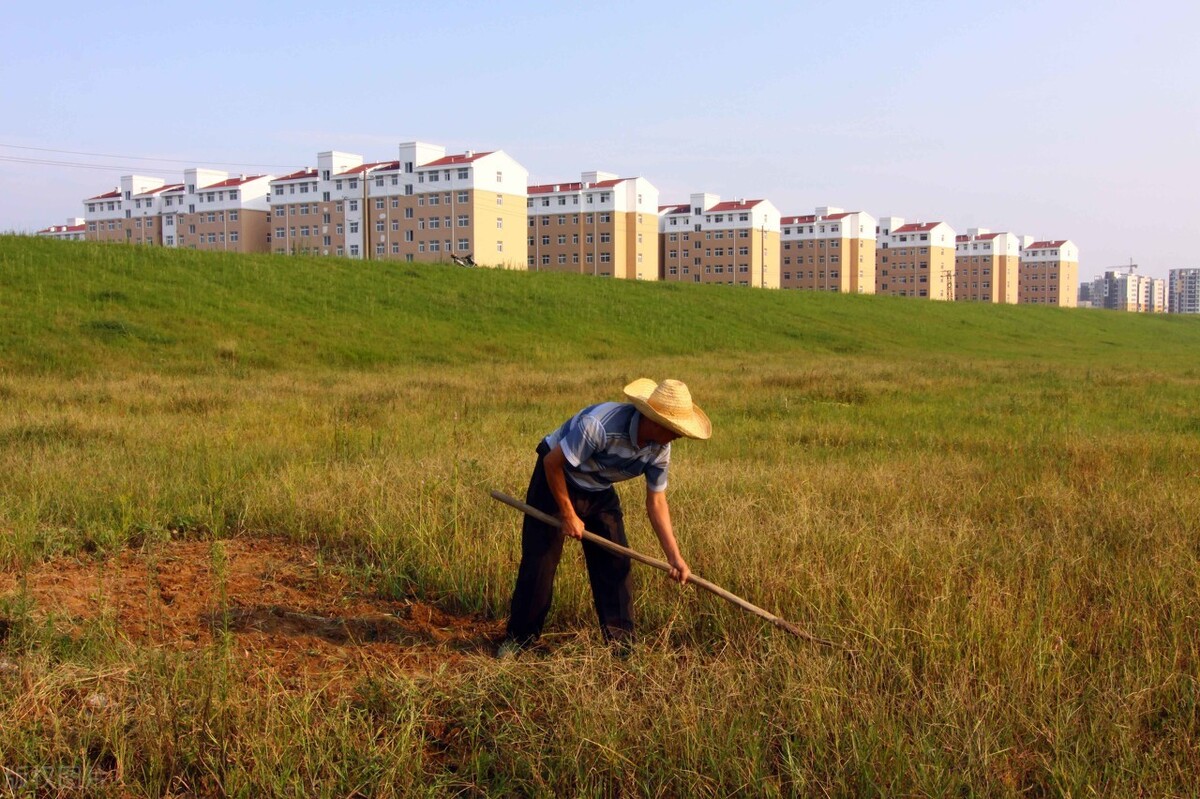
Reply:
x=286, y=613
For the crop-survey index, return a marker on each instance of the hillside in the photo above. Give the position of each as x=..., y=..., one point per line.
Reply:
x=77, y=307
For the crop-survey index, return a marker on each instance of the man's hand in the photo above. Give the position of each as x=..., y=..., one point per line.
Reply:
x=680, y=571
x=572, y=526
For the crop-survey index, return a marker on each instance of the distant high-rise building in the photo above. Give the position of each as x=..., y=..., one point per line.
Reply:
x=1184, y=291
x=1049, y=273
x=914, y=259
x=829, y=250
x=709, y=241
x=1122, y=290
x=986, y=266
x=603, y=225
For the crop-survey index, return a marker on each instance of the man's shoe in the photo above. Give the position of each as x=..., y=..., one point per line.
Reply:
x=509, y=649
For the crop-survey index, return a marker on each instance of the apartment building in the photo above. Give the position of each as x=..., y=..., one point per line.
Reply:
x=214, y=211
x=708, y=241
x=986, y=266
x=915, y=259
x=603, y=225
x=74, y=230
x=110, y=216
x=429, y=206
x=829, y=250
x=144, y=221
x=1049, y=273
x=295, y=213
x=322, y=211
x=1184, y=291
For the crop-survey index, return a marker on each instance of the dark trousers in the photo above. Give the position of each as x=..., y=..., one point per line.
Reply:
x=541, y=548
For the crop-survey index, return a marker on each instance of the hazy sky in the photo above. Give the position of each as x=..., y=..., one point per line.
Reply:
x=1075, y=120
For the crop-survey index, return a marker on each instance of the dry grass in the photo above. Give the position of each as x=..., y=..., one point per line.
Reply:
x=1017, y=571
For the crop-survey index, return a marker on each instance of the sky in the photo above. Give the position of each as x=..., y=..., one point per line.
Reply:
x=1052, y=119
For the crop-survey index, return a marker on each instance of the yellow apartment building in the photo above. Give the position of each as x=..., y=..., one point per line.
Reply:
x=915, y=259
x=1049, y=273
x=429, y=206
x=603, y=225
x=829, y=250
x=708, y=241
x=986, y=266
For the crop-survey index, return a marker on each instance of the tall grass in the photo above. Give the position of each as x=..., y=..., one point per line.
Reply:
x=995, y=507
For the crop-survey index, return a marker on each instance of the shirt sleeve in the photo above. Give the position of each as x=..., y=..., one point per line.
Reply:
x=584, y=436
x=656, y=473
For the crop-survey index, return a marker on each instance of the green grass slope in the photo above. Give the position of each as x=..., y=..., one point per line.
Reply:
x=70, y=307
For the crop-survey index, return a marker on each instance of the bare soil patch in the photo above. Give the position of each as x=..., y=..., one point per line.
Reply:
x=286, y=612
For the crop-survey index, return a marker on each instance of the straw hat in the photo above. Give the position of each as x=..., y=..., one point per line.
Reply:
x=670, y=404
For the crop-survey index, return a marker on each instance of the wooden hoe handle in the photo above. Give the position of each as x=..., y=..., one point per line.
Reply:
x=695, y=580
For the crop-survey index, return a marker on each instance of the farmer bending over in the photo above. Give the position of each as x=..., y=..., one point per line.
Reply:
x=576, y=468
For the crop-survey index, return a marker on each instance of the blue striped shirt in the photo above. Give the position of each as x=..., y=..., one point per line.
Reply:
x=600, y=445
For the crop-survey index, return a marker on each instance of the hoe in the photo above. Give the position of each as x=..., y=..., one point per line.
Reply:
x=699, y=582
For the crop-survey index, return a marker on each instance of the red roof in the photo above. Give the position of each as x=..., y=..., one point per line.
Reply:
x=733, y=205
x=804, y=220
x=161, y=189
x=980, y=237
x=917, y=227
x=112, y=195
x=455, y=159
x=63, y=229
x=358, y=170
x=685, y=208
x=302, y=174
x=1046, y=245
x=548, y=188
x=231, y=182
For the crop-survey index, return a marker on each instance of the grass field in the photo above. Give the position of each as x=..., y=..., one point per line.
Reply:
x=996, y=507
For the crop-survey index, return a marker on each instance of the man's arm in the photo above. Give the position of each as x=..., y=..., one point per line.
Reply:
x=554, y=463
x=660, y=520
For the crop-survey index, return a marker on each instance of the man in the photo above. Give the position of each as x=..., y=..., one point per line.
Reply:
x=573, y=478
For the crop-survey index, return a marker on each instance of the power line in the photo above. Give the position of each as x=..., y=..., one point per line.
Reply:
x=78, y=165
x=146, y=158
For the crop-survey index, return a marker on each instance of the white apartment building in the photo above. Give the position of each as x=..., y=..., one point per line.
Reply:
x=215, y=211
x=109, y=216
